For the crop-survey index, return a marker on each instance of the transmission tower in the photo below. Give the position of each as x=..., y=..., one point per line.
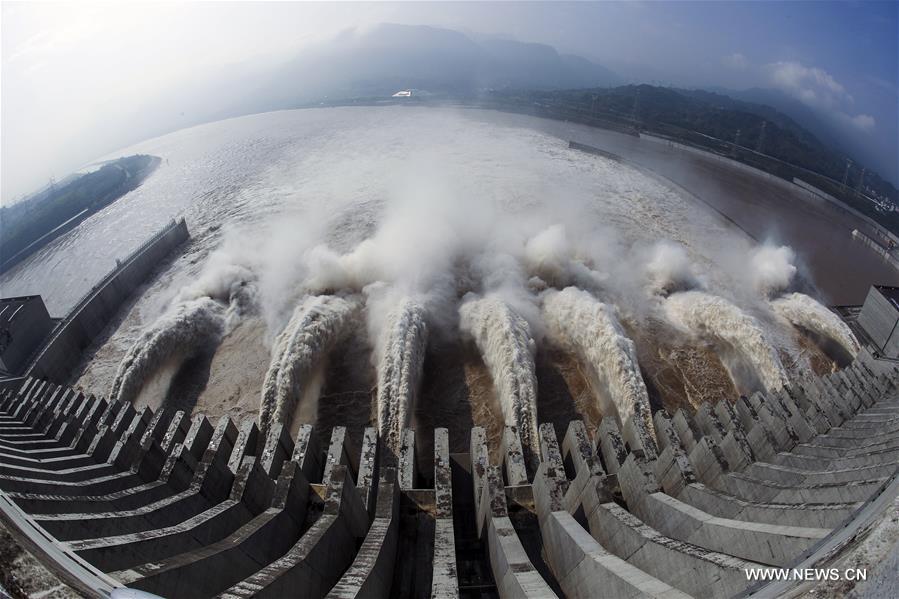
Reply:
x=761, y=144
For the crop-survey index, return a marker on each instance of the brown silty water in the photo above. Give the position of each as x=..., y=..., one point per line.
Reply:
x=457, y=391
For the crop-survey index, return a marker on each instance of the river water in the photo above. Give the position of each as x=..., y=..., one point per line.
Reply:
x=265, y=188
x=246, y=170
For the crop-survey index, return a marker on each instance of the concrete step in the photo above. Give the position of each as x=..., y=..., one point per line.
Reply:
x=168, y=511
x=315, y=562
x=753, y=489
x=841, y=452
x=803, y=515
x=694, y=570
x=797, y=476
x=72, y=474
x=579, y=562
x=262, y=540
x=100, y=485
x=811, y=462
x=763, y=543
x=57, y=463
x=854, y=444
x=126, y=551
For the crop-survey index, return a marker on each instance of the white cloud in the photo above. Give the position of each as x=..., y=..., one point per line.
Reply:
x=808, y=83
x=861, y=122
x=818, y=89
x=736, y=61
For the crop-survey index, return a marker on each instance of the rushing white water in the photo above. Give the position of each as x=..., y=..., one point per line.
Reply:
x=402, y=343
x=188, y=327
x=709, y=315
x=803, y=311
x=669, y=269
x=771, y=268
x=508, y=348
x=317, y=325
x=587, y=327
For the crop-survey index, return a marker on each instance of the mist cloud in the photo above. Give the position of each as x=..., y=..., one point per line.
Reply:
x=818, y=89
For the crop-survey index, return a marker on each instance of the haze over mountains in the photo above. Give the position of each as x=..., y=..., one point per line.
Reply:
x=381, y=59
x=387, y=57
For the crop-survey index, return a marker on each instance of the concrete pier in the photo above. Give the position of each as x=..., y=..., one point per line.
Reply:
x=189, y=508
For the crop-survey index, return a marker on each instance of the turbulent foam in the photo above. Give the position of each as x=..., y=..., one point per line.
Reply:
x=315, y=327
x=771, y=268
x=188, y=327
x=590, y=329
x=670, y=270
x=803, y=311
x=505, y=342
x=402, y=342
x=709, y=315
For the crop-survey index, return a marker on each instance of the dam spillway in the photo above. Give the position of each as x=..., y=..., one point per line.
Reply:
x=109, y=496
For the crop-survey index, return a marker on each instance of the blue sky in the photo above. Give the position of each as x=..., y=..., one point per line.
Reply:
x=115, y=60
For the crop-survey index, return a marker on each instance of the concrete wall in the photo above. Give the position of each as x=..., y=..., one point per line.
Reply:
x=25, y=330
x=62, y=351
x=878, y=318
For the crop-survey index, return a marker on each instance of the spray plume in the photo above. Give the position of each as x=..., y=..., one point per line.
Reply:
x=314, y=329
x=504, y=339
x=773, y=272
x=772, y=268
x=590, y=329
x=186, y=329
x=803, y=311
x=670, y=270
x=402, y=344
x=559, y=259
x=197, y=319
x=709, y=315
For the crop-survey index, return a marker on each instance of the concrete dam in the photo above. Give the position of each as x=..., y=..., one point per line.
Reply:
x=107, y=496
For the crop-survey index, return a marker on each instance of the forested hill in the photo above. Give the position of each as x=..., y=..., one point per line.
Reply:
x=696, y=117
x=35, y=221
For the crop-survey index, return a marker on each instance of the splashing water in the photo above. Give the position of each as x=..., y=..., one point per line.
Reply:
x=403, y=342
x=587, y=327
x=709, y=315
x=315, y=327
x=803, y=311
x=505, y=342
x=188, y=327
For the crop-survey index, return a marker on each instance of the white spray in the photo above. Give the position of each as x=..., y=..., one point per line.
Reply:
x=508, y=348
x=199, y=316
x=773, y=271
x=560, y=258
x=590, y=329
x=402, y=343
x=317, y=325
x=184, y=330
x=669, y=269
x=771, y=268
x=803, y=311
x=709, y=315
